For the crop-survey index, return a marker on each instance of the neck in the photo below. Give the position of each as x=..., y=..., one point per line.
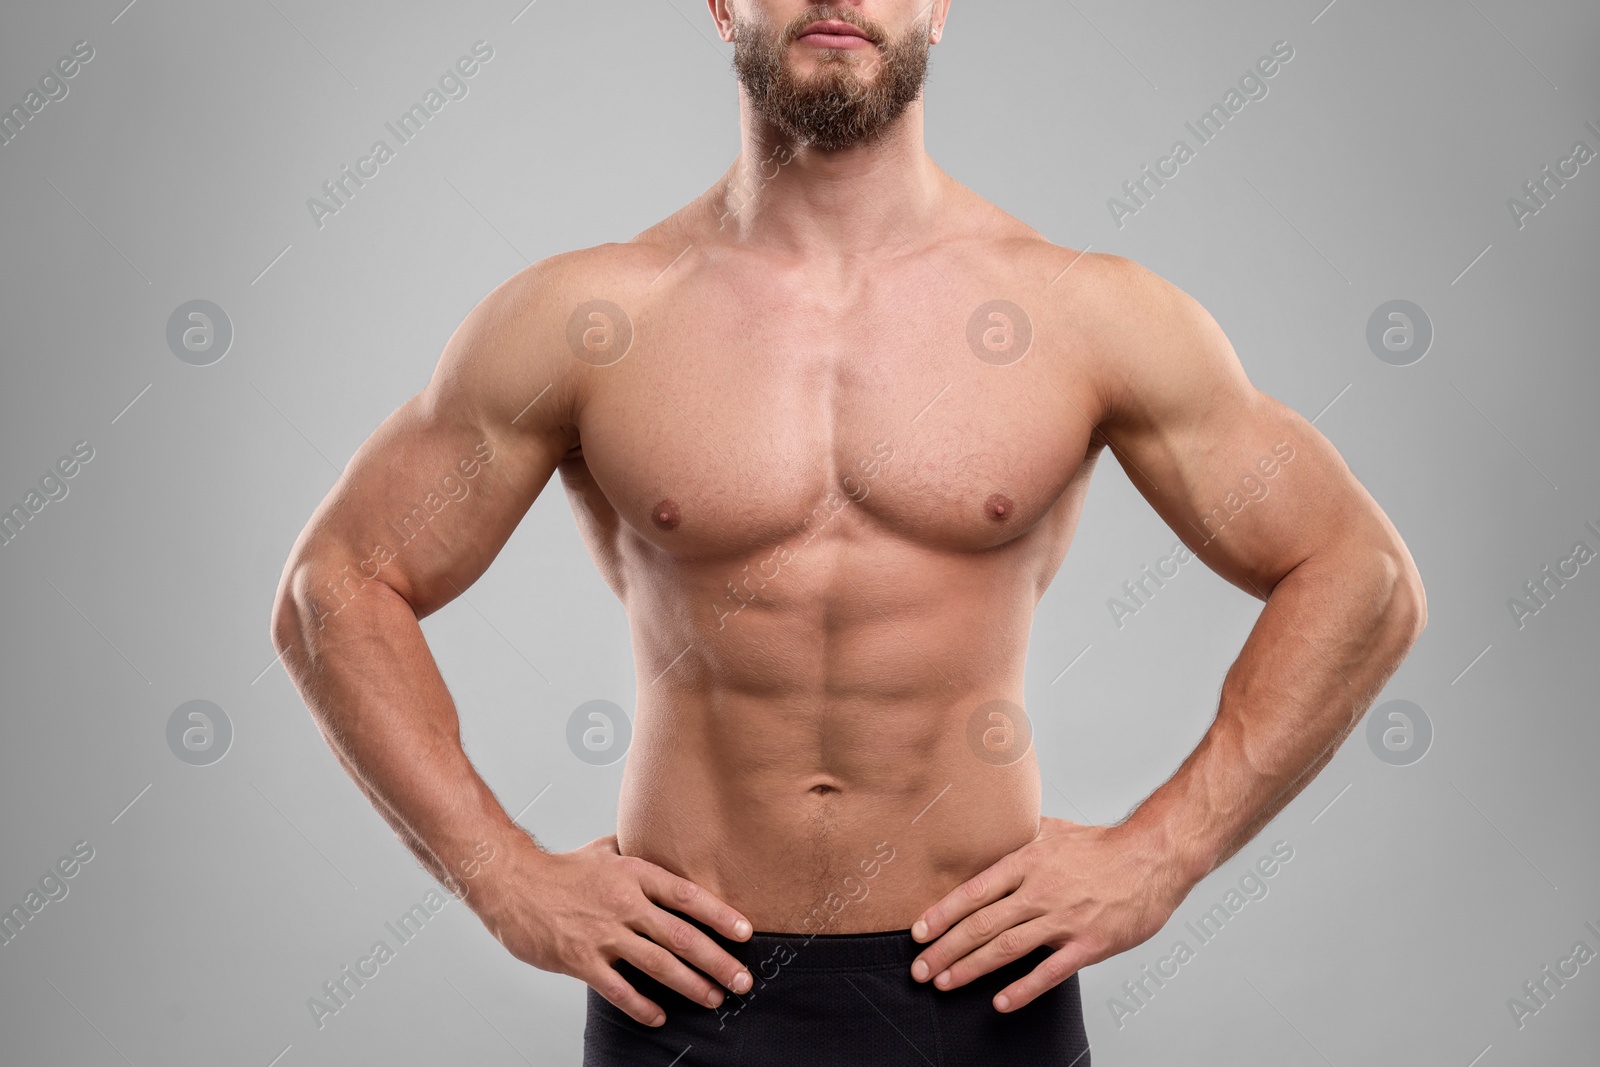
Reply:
x=854, y=201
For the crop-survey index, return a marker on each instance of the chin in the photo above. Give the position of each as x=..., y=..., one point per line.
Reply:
x=832, y=70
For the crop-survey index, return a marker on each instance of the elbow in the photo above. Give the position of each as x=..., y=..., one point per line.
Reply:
x=1419, y=607
x=284, y=626
x=1406, y=603
x=317, y=586
x=292, y=607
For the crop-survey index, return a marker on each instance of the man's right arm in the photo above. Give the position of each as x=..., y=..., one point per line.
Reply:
x=418, y=515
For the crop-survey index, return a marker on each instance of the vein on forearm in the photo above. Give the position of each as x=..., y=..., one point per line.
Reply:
x=376, y=693
x=1328, y=638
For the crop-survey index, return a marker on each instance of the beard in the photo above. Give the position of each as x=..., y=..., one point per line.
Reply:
x=837, y=107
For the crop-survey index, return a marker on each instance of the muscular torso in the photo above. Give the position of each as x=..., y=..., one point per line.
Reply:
x=830, y=521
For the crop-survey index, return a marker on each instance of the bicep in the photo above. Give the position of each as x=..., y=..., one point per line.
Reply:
x=431, y=497
x=1247, y=483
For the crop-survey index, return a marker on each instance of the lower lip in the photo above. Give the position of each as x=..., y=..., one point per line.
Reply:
x=836, y=40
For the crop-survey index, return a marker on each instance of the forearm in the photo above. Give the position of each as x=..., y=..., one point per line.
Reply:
x=1330, y=635
x=425, y=856
x=371, y=684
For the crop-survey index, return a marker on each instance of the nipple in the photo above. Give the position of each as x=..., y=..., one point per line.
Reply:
x=999, y=507
x=665, y=514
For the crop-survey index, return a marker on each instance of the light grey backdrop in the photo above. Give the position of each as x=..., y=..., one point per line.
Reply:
x=1422, y=893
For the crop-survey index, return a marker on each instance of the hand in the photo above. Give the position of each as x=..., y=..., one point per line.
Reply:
x=1089, y=892
x=577, y=912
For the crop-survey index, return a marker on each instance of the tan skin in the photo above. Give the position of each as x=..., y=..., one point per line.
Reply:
x=800, y=415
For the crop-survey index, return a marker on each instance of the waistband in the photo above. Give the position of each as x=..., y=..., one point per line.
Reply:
x=817, y=952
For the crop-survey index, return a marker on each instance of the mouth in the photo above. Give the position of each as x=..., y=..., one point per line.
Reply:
x=833, y=33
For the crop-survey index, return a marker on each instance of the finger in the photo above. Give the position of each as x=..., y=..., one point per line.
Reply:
x=1051, y=972
x=616, y=989
x=687, y=942
x=680, y=894
x=670, y=971
x=1010, y=944
x=975, y=930
x=976, y=892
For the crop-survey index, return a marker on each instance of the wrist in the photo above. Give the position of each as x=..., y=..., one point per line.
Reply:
x=501, y=878
x=1175, y=860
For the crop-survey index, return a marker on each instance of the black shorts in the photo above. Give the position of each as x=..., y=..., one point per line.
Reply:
x=841, y=1000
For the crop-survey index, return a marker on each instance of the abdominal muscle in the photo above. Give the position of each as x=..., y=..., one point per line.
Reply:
x=810, y=762
x=796, y=854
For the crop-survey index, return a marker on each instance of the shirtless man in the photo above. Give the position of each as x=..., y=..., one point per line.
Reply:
x=827, y=432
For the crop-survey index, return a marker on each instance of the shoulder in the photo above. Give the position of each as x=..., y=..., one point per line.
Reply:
x=1067, y=287
x=1099, y=290
x=1152, y=349
x=556, y=284
x=616, y=277
x=548, y=327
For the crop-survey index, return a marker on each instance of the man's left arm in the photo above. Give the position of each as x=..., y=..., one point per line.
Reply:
x=1266, y=502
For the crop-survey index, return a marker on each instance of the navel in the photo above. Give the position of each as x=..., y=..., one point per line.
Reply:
x=665, y=514
x=999, y=507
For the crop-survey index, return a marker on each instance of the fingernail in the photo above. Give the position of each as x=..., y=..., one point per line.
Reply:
x=742, y=982
x=714, y=999
x=1002, y=1002
x=919, y=971
x=658, y=1020
x=919, y=930
x=741, y=929
x=943, y=980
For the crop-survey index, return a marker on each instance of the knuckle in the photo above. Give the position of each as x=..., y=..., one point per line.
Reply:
x=1010, y=942
x=622, y=899
x=656, y=960
x=983, y=923
x=603, y=941
x=615, y=989
x=974, y=887
x=681, y=936
x=696, y=987
x=530, y=954
x=558, y=957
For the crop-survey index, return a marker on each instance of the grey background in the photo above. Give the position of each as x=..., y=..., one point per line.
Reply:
x=1420, y=897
